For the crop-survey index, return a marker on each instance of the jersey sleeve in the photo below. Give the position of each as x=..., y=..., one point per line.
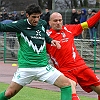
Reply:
x=11, y=27
x=94, y=19
x=91, y=21
x=74, y=29
x=88, y=24
x=47, y=38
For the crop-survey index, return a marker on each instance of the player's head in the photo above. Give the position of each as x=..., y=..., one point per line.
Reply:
x=33, y=13
x=56, y=21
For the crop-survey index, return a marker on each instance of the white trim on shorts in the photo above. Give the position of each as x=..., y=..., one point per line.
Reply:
x=25, y=76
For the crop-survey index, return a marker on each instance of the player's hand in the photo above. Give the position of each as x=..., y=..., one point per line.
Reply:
x=56, y=43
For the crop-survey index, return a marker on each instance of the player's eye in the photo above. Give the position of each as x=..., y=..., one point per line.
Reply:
x=56, y=20
x=35, y=16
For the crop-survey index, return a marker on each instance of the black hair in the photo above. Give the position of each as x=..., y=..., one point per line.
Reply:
x=94, y=10
x=33, y=8
x=46, y=7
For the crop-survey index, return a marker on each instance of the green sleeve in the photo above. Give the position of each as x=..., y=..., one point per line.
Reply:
x=47, y=38
x=11, y=27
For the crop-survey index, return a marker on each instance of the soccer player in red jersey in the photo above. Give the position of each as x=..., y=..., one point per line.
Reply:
x=67, y=59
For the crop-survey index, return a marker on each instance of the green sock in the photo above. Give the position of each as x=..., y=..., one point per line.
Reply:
x=66, y=93
x=2, y=96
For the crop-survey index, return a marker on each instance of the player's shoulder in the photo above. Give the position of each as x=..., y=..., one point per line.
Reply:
x=43, y=22
x=49, y=32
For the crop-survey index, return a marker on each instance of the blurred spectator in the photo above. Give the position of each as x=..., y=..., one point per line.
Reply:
x=77, y=19
x=45, y=16
x=22, y=15
x=93, y=30
x=83, y=19
x=4, y=15
x=83, y=15
x=1, y=18
x=15, y=16
x=89, y=13
x=73, y=16
x=11, y=35
x=42, y=16
x=10, y=15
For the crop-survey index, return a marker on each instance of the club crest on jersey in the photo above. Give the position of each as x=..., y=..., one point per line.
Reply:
x=38, y=33
x=63, y=34
x=64, y=39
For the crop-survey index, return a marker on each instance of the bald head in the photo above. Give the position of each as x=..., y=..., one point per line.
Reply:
x=56, y=21
x=55, y=14
x=73, y=10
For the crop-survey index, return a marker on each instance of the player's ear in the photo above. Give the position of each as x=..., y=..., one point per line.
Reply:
x=27, y=15
x=49, y=22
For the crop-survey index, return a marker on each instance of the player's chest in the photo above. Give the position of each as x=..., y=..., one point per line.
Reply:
x=62, y=36
x=34, y=33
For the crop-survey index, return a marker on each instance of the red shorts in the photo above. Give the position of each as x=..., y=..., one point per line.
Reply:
x=84, y=76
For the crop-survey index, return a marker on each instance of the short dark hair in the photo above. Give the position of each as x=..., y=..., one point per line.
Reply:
x=46, y=8
x=94, y=10
x=33, y=8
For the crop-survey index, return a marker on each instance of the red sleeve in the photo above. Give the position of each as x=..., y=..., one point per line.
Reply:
x=76, y=29
x=94, y=19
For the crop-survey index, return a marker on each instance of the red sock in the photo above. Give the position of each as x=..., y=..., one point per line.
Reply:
x=75, y=97
x=98, y=97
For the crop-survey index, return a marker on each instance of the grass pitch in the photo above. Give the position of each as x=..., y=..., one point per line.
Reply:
x=28, y=93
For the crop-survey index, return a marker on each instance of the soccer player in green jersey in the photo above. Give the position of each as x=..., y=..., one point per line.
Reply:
x=32, y=55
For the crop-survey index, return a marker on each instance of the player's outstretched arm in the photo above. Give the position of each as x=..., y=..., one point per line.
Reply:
x=91, y=21
x=94, y=19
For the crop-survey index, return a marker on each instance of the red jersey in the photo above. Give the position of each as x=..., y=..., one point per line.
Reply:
x=67, y=57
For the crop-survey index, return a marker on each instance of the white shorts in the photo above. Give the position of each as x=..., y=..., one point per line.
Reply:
x=25, y=76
